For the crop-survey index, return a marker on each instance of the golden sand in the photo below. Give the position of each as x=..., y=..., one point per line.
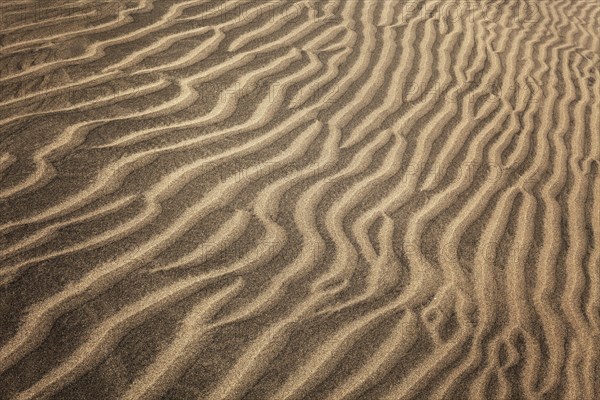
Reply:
x=289, y=200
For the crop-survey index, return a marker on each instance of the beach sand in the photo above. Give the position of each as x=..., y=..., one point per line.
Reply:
x=288, y=200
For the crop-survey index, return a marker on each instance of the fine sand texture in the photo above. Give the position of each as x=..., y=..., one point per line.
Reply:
x=300, y=200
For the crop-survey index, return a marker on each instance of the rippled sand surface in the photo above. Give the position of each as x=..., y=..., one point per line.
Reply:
x=289, y=200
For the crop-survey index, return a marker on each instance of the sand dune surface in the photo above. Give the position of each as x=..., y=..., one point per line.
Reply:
x=307, y=199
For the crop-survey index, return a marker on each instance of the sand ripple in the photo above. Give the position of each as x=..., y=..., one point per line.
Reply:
x=336, y=199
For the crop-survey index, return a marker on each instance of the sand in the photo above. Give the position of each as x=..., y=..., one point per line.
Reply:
x=286, y=200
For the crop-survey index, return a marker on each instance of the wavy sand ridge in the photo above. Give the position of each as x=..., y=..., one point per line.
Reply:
x=336, y=199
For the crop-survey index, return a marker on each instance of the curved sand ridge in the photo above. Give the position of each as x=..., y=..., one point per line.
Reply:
x=337, y=199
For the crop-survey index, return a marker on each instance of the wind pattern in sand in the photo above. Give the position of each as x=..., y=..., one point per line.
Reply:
x=333, y=199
